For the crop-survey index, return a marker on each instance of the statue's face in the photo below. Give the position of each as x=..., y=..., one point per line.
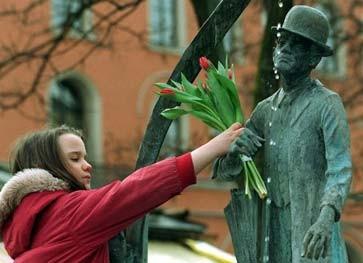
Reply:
x=292, y=53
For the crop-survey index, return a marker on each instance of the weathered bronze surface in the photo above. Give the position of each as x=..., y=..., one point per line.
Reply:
x=307, y=161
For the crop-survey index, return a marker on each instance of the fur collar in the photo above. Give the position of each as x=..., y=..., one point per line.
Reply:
x=23, y=183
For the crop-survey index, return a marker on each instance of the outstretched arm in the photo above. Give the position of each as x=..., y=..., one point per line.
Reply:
x=105, y=211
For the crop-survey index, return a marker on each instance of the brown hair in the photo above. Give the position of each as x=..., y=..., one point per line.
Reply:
x=41, y=150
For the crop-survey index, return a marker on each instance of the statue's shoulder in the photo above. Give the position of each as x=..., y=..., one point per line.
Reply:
x=264, y=105
x=268, y=101
x=321, y=91
x=323, y=97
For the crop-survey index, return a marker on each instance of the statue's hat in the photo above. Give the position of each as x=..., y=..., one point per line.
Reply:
x=309, y=23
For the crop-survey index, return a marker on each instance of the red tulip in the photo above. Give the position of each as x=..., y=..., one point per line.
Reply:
x=204, y=63
x=167, y=91
x=230, y=74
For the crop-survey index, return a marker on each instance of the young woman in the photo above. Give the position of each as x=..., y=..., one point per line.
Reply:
x=48, y=213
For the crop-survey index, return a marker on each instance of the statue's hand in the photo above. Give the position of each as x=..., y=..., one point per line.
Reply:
x=316, y=242
x=229, y=167
x=246, y=144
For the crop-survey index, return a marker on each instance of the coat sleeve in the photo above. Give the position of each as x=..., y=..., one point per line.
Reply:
x=228, y=167
x=337, y=153
x=95, y=216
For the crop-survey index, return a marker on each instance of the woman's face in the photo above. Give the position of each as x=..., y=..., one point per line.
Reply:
x=74, y=153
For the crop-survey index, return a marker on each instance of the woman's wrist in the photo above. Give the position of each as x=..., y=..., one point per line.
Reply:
x=203, y=155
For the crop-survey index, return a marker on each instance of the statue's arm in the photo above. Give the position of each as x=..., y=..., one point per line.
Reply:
x=337, y=152
x=229, y=166
x=334, y=124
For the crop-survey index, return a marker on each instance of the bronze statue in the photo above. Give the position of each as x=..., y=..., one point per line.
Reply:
x=304, y=134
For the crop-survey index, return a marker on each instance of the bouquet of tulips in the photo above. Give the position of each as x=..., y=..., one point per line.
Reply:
x=216, y=103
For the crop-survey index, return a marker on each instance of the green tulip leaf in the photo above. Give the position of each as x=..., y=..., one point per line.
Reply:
x=209, y=120
x=230, y=86
x=189, y=87
x=186, y=98
x=221, y=100
x=173, y=113
x=178, y=85
x=163, y=85
x=222, y=70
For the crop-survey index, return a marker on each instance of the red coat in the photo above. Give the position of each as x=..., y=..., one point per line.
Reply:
x=62, y=226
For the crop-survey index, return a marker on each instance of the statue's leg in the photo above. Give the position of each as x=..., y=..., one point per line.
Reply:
x=242, y=218
x=280, y=235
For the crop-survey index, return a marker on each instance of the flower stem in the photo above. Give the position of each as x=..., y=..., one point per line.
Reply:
x=247, y=188
x=213, y=113
x=259, y=181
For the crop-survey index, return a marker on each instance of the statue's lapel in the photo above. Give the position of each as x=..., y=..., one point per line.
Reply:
x=273, y=101
x=301, y=104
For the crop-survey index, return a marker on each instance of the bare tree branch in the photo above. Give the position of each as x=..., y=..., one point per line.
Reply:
x=43, y=46
x=41, y=54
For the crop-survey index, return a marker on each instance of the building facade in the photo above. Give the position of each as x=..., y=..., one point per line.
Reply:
x=110, y=94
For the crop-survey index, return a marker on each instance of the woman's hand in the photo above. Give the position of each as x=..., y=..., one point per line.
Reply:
x=221, y=144
x=216, y=147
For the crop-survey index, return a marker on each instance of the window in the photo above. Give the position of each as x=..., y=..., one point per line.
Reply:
x=176, y=140
x=66, y=105
x=62, y=10
x=166, y=24
x=233, y=43
x=172, y=141
x=334, y=64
